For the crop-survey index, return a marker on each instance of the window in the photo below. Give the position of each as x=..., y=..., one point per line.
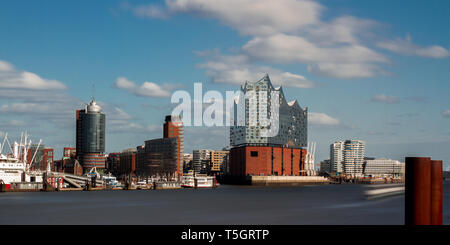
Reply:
x=254, y=154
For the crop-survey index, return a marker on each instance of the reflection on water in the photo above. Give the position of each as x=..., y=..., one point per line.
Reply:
x=329, y=204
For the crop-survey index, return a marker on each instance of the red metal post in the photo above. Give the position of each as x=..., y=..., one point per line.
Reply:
x=436, y=192
x=417, y=191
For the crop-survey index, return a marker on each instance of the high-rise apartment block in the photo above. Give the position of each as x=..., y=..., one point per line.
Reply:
x=347, y=157
x=337, y=157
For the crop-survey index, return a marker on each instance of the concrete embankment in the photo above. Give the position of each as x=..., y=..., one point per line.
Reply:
x=273, y=180
x=287, y=180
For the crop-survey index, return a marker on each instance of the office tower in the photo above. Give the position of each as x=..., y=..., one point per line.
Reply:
x=158, y=158
x=90, y=136
x=347, y=157
x=280, y=151
x=173, y=128
x=163, y=157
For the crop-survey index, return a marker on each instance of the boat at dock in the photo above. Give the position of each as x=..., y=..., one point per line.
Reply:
x=14, y=170
x=198, y=181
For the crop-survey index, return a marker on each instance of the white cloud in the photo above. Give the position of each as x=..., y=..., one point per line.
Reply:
x=249, y=17
x=236, y=69
x=11, y=78
x=294, y=32
x=322, y=119
x=406, y=47
x=382, y=98
x=147, y=11
x=446, y=113
x=29, y=108
x=345, y=29
x=341, y=61
x=13, y=123
x=147, y=89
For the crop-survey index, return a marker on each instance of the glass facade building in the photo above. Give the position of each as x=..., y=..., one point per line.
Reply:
x=289, y=130
x=90, y=136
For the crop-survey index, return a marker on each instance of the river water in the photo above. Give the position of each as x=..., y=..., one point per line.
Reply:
x=324, y=205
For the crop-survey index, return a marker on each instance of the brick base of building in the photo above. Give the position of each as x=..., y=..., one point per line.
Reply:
x=267, y=161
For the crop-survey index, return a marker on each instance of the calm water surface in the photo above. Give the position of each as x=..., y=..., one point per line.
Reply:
x=328, y=204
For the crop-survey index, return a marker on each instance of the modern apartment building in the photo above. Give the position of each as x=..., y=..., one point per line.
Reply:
x=347, y=157
x=218, y=161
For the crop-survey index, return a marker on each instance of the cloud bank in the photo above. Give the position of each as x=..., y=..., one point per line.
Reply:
x=294, y=32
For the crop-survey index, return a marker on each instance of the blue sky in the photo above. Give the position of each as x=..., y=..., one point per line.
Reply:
x=371, y=70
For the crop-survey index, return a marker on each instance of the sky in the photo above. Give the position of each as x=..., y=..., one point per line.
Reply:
x=377, y=71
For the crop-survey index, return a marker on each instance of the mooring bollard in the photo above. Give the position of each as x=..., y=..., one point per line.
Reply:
x=436, y=192
x=417, y=191
x=423, y=191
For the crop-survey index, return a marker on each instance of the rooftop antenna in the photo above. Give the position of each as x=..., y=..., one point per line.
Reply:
x=93, y=92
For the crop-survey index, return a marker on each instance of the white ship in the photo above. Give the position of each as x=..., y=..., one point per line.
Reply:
x=198, y=181
x=13, y=166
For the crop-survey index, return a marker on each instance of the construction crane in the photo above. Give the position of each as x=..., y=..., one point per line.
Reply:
x=310, y=152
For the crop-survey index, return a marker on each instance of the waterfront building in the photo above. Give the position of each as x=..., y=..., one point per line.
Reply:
x=354, y=157
x=347, y=157
x=90, y=136
x=218, y=160
x=158, y=158
x=187, y=162
x=325, y=166
x=292, y=125
x=70, y=152
x=127, y=162
x=113, y=163
x=201, y=161
x=44, y=157
x=253, y=153
x=173, y=128
x=384, y=168
x=71, y=166
x=163, y=158
x=337, y=157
